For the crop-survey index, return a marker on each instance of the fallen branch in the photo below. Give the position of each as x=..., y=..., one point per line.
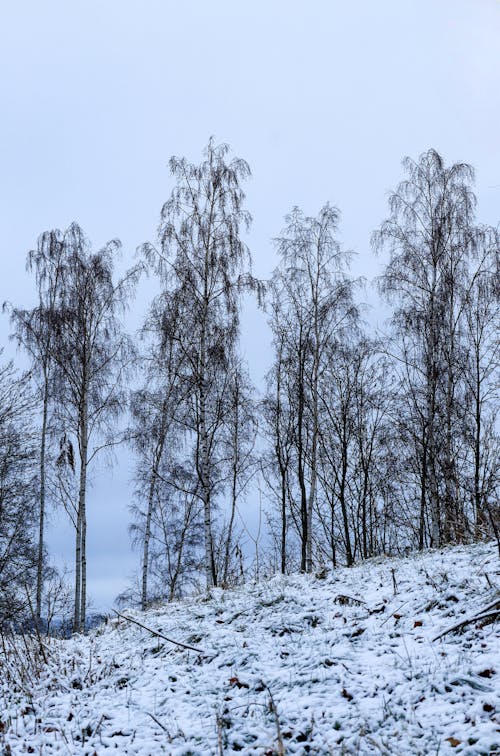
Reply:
x=488, y=614
x=157, y=634
x=343, y=600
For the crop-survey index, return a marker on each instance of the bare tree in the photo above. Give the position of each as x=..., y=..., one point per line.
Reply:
x=92, y=355
x=482, y=380
x=430, y=237
x=312, y=305
x=279, y=422
x=355, y=398
x=33, y=332
x=441, y=277
x=158, y=422
x=18, y=443
x=338, y=438
x=203, y=264
x=238, y=449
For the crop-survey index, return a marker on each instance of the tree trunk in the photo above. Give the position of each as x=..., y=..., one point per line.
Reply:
x=313, y=462
x=81, y=557
x=283, y=522
x=453, y=527
x=423, y=495
x=234, y=483
x=204, y=468
x=41, y=523
x=78, y=575
x=315, y=421
x=83, y=609
x=432, y=419
x=478, y=504
x=301, y=476
x=283, y=465
x=343, y=506
x=147, y=536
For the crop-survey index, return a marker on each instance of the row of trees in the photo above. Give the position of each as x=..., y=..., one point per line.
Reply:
x=362, y=444
x=383, y=445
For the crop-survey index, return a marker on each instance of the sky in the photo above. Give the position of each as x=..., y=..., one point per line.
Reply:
x=323, y=99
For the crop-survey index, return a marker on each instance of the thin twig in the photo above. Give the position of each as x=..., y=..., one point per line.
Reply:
x=393, y=613
x=36, y=622
x=158, y=722
x=274, y=711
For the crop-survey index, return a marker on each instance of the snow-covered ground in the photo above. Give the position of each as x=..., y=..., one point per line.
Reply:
x=343, y=664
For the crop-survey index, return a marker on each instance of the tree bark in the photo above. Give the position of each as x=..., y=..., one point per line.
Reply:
x=149, y=512
x=234, y=482
x=41, y=523
x=81, y=545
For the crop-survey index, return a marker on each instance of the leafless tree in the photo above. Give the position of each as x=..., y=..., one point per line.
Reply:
x=436, y=262
x=482, y=381
x=157, y=421
x=312, y=306
x=279, y=423
x=33, y=332
x=18, y=473
x=92, y=355
x=238, y=447
x=203, y=265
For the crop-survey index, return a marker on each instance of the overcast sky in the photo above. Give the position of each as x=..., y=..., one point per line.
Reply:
x=323, y=98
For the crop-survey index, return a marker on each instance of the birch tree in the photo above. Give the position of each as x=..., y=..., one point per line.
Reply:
x=238, y=446
x=482, y=381
x=313, y=304
x=203, y=264
x=430, y=236
x=158, y=414
x=437, y=278
x=278, y=418
x=92, y=354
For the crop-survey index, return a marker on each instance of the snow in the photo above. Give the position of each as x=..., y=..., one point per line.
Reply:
x=347, y=664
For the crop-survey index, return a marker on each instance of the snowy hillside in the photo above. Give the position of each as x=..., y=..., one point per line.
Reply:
x=343, y=664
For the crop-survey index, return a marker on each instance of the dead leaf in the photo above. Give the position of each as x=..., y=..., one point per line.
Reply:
x=347, y=695
x=237, y=683
x=486, y=673
x=453, y=742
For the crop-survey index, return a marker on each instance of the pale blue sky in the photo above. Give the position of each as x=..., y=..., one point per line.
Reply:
x=322, y=98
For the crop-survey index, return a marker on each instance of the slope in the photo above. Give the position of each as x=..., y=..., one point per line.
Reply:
x=347, y=664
